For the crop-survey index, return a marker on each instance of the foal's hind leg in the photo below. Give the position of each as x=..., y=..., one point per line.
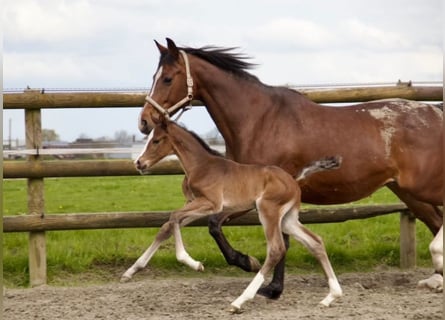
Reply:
x=314, y=244
x=275, y=250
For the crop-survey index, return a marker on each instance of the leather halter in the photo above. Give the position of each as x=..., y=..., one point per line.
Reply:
x=187, y=98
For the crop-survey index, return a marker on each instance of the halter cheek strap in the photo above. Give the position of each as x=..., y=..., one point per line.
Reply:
x=187, y=98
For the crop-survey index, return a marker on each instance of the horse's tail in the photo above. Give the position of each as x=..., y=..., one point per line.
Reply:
x=328, y=163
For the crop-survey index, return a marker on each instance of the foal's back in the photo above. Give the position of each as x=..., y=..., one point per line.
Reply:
x=242, y=185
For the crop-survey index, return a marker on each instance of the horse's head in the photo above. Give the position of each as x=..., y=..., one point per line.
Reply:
x=158, y=145
x=172, y=86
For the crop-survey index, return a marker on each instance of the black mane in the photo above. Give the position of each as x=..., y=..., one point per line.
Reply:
x=225, y=59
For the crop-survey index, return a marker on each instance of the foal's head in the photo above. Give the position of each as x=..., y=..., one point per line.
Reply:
x=158, y=147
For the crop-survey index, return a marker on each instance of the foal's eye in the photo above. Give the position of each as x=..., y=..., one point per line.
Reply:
x=167, y=80
x=155, y=141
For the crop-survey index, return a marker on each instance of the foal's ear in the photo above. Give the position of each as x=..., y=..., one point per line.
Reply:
x=172, y=48
x=163, y=50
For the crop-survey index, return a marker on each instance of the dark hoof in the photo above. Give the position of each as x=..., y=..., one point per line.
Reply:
x=270, y=292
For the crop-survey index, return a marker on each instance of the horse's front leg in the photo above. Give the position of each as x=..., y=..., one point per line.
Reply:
x=274, y=289
x=232, y=256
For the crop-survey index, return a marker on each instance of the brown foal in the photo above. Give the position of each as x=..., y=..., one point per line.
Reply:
x=217, y=184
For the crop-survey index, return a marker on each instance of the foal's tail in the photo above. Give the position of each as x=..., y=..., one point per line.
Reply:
x=328, y=163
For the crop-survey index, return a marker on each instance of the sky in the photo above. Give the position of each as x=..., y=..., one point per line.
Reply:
x=109, y=44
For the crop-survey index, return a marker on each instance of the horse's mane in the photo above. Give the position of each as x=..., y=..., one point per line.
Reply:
x=225, y=59
x=201, y=141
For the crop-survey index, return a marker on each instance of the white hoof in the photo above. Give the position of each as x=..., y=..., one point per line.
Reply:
x=200, y=267
x=326, y=302
x=125, y=279
x=235, y=309
x=434, y=283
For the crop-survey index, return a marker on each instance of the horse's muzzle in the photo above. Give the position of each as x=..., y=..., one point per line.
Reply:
x=145, y=127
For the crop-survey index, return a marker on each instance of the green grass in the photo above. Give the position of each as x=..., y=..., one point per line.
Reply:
x=102, y=255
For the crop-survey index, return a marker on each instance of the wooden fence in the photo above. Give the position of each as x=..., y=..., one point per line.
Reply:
x=35, y=170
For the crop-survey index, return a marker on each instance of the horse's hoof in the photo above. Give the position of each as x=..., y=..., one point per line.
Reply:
x=434, y=283
x=255, y=265
x=125, y=279
x=270, y=292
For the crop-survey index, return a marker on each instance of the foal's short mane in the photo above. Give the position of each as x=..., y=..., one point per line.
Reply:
x=202, y=142
x=225, y=59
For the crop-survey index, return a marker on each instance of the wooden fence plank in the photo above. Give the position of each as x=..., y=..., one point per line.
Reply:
x=82, y=221
x=37, y=100
x=84, y=168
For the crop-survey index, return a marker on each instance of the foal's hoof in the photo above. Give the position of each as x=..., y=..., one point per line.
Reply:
x=200, y=267
x=235, y=310
x=125, y=279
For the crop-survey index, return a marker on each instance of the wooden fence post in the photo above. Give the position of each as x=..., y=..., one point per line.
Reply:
x=407, y=240
x=37, y=242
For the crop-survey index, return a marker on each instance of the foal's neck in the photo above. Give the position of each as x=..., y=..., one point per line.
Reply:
x=192, y=154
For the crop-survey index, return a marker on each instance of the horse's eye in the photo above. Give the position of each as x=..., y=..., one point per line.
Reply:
x=167, y=80
x=155, y=141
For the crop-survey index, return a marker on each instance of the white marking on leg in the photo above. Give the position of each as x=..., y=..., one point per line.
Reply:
x=249, y=292
x=435, y=282
x=181, y=254
x=292, y=226
x=141, y=262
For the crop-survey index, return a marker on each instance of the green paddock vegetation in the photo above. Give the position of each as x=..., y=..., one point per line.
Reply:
x=95, y=256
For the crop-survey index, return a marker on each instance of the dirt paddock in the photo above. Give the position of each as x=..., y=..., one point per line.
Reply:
x=377, y=295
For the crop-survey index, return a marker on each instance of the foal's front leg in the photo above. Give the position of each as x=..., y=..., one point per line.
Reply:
x=164, y=233
x=192, y=211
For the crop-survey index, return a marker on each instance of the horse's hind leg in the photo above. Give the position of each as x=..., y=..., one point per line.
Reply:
x=435, y=282
x=292, y=226
x=232, y=256
x=429, y=214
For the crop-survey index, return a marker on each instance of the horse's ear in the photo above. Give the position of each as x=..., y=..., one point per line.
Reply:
x=172, y=48
x=163, y=50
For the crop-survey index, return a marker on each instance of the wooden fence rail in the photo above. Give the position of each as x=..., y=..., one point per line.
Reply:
x=84, y=221
x=35, y=170
x=34, y=99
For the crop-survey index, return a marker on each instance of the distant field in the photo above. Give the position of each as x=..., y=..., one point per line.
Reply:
x=102, y=255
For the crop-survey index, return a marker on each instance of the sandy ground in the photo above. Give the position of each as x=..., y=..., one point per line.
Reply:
x=378, y=295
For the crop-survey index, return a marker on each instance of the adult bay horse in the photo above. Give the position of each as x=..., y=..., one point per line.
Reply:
x=219, y=184
x=395, y=143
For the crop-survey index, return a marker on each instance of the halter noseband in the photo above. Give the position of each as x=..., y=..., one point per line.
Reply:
x=187, y=98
